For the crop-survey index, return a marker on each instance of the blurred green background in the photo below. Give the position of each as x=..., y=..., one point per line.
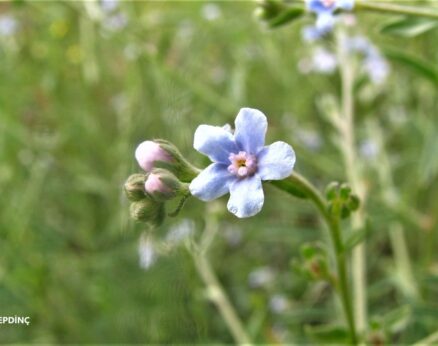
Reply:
x=83, y=83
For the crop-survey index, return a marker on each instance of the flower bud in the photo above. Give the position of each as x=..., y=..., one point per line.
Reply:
x=149, y=211
x=163, y=154
x=162, y=185
x=345, y=191
x=331, y=191
x=353, y=202
x=134, y=187
x=148, y=152
x=180, y=167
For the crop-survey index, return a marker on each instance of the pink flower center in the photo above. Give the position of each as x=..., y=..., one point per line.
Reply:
x=242, y=164
x=328, y=3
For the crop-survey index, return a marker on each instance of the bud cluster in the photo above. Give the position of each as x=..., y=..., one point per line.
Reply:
x=166, y=176
x=341, y=201
x=313, y=263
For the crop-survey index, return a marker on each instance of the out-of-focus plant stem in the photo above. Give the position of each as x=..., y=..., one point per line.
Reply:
x=430, y=340
x=309, y=191
x=215, y=291
x=396, y=232
x=391, y=8
x=378, y=6
x=352, y=168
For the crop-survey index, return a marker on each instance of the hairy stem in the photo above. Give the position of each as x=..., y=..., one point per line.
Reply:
x=297, y=183
x=215, y=291
x=382, y=7
x=348, y=149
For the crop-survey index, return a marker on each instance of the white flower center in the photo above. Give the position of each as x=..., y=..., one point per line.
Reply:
x=242, y=164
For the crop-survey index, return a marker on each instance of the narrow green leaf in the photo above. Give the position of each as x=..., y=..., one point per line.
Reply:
x=286, y=17
x=355, y=239
x=408, y=26
x=417, y=65
x=396, y=320
x=328, y=333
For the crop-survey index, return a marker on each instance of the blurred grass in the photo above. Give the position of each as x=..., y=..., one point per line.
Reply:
x=78, y=93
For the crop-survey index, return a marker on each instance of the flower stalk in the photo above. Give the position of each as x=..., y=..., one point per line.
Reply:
x=299, y=186
x=391, y=8
x=215, y=291
x=377, y=6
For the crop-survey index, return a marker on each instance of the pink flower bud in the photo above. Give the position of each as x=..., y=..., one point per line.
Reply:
x=148, y=152
x=154, y=185
x=162, y=185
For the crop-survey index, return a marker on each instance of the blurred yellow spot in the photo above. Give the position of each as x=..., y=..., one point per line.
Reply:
x=74, y=54
x=59, y=28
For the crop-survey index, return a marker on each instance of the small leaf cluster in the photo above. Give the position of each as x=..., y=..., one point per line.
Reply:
x=340, y=200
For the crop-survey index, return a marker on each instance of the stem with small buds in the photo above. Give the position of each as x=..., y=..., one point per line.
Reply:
x=297, y=185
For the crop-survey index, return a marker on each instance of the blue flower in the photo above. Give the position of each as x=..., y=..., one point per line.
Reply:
x=325, y=9
x=240, y=162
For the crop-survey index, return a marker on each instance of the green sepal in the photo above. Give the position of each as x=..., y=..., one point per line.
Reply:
x=134, y=187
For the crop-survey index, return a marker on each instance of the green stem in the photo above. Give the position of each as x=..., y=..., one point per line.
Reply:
x=297, y=185
x=377, y=6
x=430, y=340
x=216, y=293
x=390, y=8
x=354, y=176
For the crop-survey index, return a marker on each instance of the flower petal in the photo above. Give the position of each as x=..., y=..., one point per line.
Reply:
x=246, y=196
x=213, y=182
x=317, y=6
x=276, y=161
x=325, y=21
x=251, y=126
x=346, y=5
x=215, y=142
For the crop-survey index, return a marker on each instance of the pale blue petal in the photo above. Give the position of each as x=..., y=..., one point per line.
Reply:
x=213, y=182
x=346, y=5
x=311, y=34
x=276, y=161
x=251, y=126
x=325, y=21
x=317, y=6
x=246, y=196
x=215, y=142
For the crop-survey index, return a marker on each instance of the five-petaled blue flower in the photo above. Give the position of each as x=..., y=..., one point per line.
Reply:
x=325, y=9
x=240, y=162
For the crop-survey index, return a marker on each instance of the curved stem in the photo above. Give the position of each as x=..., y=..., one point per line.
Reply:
x=382, y=7
x=391, y=8
x=296, y=183
x=216, y=293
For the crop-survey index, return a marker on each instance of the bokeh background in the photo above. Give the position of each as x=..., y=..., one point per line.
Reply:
x=83, y=83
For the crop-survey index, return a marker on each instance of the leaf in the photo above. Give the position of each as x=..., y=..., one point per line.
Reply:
x=396, y=320
x=418, y=65
x=408, y=26
x=356, y=238
x=328, y=333
x=286, y=16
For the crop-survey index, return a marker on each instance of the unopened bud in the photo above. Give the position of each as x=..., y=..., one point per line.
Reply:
x=353, y=202
x=331, y=191
x=163, y=154
x=134, y=187
x=345, y=191
x=148, y=153
x=149, y=211
x=162, y=185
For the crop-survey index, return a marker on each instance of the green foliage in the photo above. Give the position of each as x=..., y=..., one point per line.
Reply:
x=78, y=94
x=408, y=26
